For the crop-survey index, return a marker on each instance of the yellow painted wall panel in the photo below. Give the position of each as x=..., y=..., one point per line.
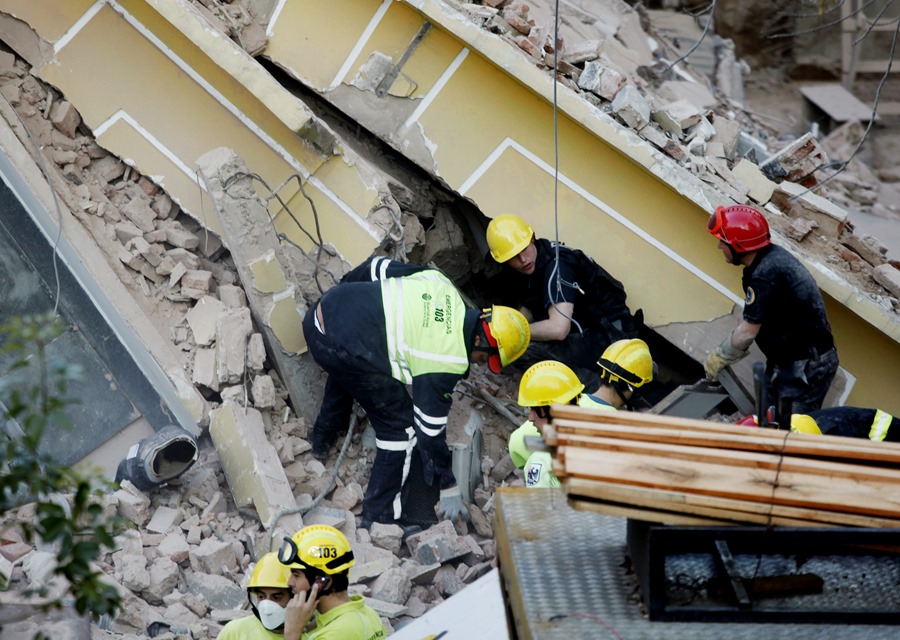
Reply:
x=319, y=35
x=345, y=180
x=219, y=81
x=186, y=119
x=430, y=59
x=466, y=122
x=179, y=184
x=165, y=137
x=391, y=36
x=354, y=243
x=50, y=18
x=868, y=354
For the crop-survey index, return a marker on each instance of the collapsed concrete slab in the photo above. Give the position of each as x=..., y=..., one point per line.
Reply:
x=251, y=464
x=275, y=302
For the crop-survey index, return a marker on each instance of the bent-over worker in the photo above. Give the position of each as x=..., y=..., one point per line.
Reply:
x=387, y=325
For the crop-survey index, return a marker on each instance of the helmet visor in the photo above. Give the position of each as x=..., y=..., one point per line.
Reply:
x=288, y=554
x=715, y=225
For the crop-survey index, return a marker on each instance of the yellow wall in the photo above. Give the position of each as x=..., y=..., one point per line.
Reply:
x=159, y=99
x=480, y=109
x=484, y=112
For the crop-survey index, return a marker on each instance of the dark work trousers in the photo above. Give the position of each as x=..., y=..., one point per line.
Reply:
x=388, y=407
x=805, y=382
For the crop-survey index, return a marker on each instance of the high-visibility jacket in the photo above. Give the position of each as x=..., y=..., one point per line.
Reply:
x=408, y=322
x=538, y=465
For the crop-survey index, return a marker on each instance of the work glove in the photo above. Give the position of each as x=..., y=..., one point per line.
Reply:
x=451, y=506
x=724, y=355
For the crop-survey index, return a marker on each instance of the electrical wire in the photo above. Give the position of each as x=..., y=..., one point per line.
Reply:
x=354, y=420
x=555, y=276
x=282, y=238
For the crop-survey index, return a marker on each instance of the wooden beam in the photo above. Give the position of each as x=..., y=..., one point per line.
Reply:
x=783, y=463
x=715, y=507
x=763, y=440
x=832, y=493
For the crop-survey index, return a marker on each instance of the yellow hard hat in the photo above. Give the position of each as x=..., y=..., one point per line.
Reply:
x=508, y=333
x=628, y=361
x=518, y=452
x=802, y=423
x=269, y=572
x=319, y=547
x=507, y=236
x=548, y=382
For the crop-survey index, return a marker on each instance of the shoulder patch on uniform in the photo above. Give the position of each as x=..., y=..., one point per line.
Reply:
x=750, y=296
x=533, y=474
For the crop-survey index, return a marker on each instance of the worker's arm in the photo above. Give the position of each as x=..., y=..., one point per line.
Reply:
x=744, y=334
x=557, y=324
x=733, y=348
x=298, y=612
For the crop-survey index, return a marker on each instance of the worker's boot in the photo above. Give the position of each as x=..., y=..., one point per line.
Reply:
x=321, y=442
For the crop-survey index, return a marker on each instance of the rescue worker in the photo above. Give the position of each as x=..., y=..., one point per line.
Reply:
x=268, y=593
x=576, y=308
x=857, y=422
x=625, y=366
x=783, y=312
x=850, y=422
x=319, y=558
x=387, y=325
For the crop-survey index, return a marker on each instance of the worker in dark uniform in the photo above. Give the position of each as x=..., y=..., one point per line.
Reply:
x=857, y=422
x=783, y=312
x=388, y=325
x=849, y=422
x=575, y=307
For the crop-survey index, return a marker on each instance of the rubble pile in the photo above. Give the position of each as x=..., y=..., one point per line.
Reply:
x=182, y=565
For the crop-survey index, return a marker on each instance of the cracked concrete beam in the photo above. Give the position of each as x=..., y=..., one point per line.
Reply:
x=258, y=257
x=252, y=467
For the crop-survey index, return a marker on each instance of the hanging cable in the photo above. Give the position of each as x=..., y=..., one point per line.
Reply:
x=557, y=295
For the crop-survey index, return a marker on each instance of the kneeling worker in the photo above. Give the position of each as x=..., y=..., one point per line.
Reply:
x=319, y=558
x=625, y=366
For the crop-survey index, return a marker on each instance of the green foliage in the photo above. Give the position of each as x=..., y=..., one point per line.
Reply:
x=34, y=392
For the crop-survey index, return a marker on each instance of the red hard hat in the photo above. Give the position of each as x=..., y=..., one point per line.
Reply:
x=742, y=227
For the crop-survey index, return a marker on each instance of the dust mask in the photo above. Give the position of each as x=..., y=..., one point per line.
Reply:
x=270, y=614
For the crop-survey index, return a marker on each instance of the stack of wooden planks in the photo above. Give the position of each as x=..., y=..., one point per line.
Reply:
x=693, y=472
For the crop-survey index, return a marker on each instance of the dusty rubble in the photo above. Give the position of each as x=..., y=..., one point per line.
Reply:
x=180, y=569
